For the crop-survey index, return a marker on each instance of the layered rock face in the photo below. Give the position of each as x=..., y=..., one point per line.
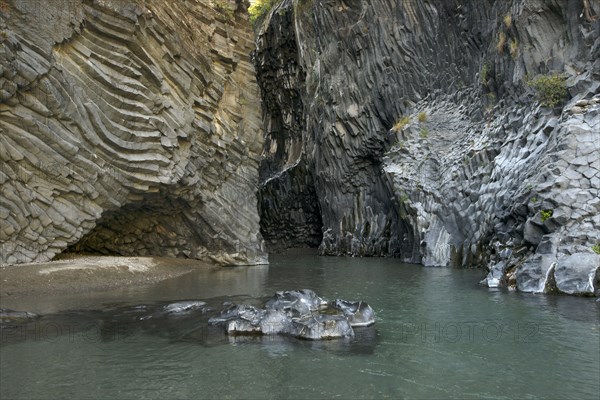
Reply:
x=478, y=173
x=129, y=128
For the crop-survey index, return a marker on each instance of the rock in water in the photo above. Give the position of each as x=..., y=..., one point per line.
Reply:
x=578, y=273
x=239, y=319
x=357, y=313
x=297, y=313
x=275, y=322
x=495, y=276
x=296, y=302
x=184, y=306
x=320, y=327
x=12, y=316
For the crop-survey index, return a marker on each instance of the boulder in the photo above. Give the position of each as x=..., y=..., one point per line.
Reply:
x=533, y=276
x=577, y=273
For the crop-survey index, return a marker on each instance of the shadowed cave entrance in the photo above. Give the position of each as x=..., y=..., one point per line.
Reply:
x=290, y=216
x=157, y=225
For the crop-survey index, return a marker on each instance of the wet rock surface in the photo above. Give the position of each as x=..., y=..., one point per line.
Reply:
x=301, y=314
x=478, y=166
x=128, y=128
x=13, y=316
x=200, y=322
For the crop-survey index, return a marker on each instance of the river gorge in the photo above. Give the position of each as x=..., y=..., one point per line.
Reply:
x=436, y=160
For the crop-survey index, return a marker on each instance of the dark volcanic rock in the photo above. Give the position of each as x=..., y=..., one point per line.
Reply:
x=476, y=165
x=129, y=129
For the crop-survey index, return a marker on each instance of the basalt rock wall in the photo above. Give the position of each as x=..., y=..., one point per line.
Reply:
x=479, y=173
x=129, y=128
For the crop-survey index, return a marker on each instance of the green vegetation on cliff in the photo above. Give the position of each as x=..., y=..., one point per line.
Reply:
x=259, y=10
x=550, y=89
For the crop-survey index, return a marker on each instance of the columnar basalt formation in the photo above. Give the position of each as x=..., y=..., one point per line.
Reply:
x=129, y=128
x=478, y=173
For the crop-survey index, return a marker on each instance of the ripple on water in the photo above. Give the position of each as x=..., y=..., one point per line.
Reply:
x=510, y=345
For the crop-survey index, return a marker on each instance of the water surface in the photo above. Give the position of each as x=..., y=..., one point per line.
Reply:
x=438, y=335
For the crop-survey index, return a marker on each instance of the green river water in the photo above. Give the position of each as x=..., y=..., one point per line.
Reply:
x=438, y=335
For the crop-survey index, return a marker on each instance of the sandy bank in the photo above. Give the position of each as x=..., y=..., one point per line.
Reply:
x=91, y=273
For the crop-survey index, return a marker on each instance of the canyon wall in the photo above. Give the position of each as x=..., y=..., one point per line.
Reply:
x=478, y=173
x=129, y=128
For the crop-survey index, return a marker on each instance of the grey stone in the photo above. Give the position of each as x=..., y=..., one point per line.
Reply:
x=8, y=316
x=495, y=276
x=577, y=273
x=357, y=313
x=533, y=276
x=295, y=302
x=532, y=233
x=438, y=202
x=297, y=313
x=321, y=327
x=183, y=306
x=239, y=319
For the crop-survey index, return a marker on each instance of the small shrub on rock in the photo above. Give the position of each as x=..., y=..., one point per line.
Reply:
x=400, y=124
x=550, y=89
x=546, y=214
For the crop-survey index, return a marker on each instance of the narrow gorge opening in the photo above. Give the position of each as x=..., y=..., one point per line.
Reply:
x=290, y=216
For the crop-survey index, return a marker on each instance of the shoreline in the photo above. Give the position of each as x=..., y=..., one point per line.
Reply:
x=81, y=276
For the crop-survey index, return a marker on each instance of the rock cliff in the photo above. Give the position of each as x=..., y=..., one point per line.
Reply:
x=130, y=128
x=411, y=129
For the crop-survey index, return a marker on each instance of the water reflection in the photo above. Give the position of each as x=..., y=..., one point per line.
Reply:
x=438, y=334
x=126, y=323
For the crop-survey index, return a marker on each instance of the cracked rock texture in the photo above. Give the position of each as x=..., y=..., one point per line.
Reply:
x=480, y=175
x=129, y=128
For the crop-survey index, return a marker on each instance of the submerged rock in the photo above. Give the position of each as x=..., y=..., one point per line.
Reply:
x=184, y=306
x=12, y=316
x=297, y=313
